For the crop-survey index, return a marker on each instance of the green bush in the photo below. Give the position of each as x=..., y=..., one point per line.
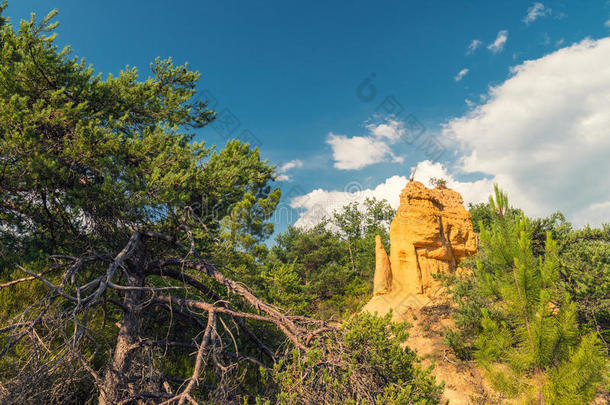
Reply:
x=365, y=362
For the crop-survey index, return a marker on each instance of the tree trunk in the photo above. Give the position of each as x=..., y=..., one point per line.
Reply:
x=116, y=385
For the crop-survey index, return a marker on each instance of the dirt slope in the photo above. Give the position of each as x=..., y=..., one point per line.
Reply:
x=464, y=382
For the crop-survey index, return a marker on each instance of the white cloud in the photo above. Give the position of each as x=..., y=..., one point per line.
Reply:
x=544, y=134
x=285, y=167
x=607, y=23
x=283, y=177
x=322, y=203
x=474, y=45
x=392, y=130
x=461, y=75
x=291, y=165
x=536, y=11
x=498, y=44
x=319, y=203
x=351, y=153
x=358, y=151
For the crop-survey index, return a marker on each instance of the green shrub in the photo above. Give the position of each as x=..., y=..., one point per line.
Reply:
x=365, y=362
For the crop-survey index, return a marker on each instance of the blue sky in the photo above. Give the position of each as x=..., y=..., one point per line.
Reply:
x=290, y=73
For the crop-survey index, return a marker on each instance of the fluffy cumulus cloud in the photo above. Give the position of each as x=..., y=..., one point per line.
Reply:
x=498, y=45
x=536, y=11
x=318, y=204
x=283, y=169
x=461, y=75
x=544, y=134
x=357, y=152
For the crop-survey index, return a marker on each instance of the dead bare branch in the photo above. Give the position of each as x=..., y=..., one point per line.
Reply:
x=124, y=280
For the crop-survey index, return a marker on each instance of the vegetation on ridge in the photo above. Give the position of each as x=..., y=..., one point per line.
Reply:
x=516, y=318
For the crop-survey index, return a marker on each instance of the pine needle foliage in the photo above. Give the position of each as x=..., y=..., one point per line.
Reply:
x=524, y=326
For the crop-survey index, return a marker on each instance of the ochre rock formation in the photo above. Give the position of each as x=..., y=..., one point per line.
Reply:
x=430, y=234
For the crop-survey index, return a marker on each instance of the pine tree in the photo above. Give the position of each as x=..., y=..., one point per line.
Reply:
x=92, y=166
x=528, y=338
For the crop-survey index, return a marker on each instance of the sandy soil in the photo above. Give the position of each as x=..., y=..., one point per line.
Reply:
x=464, y=383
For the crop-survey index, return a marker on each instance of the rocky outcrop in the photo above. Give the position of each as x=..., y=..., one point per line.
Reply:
x=430, y=234
x=382, y=284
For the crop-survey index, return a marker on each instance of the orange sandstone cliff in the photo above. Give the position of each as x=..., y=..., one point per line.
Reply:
x=430, y=234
